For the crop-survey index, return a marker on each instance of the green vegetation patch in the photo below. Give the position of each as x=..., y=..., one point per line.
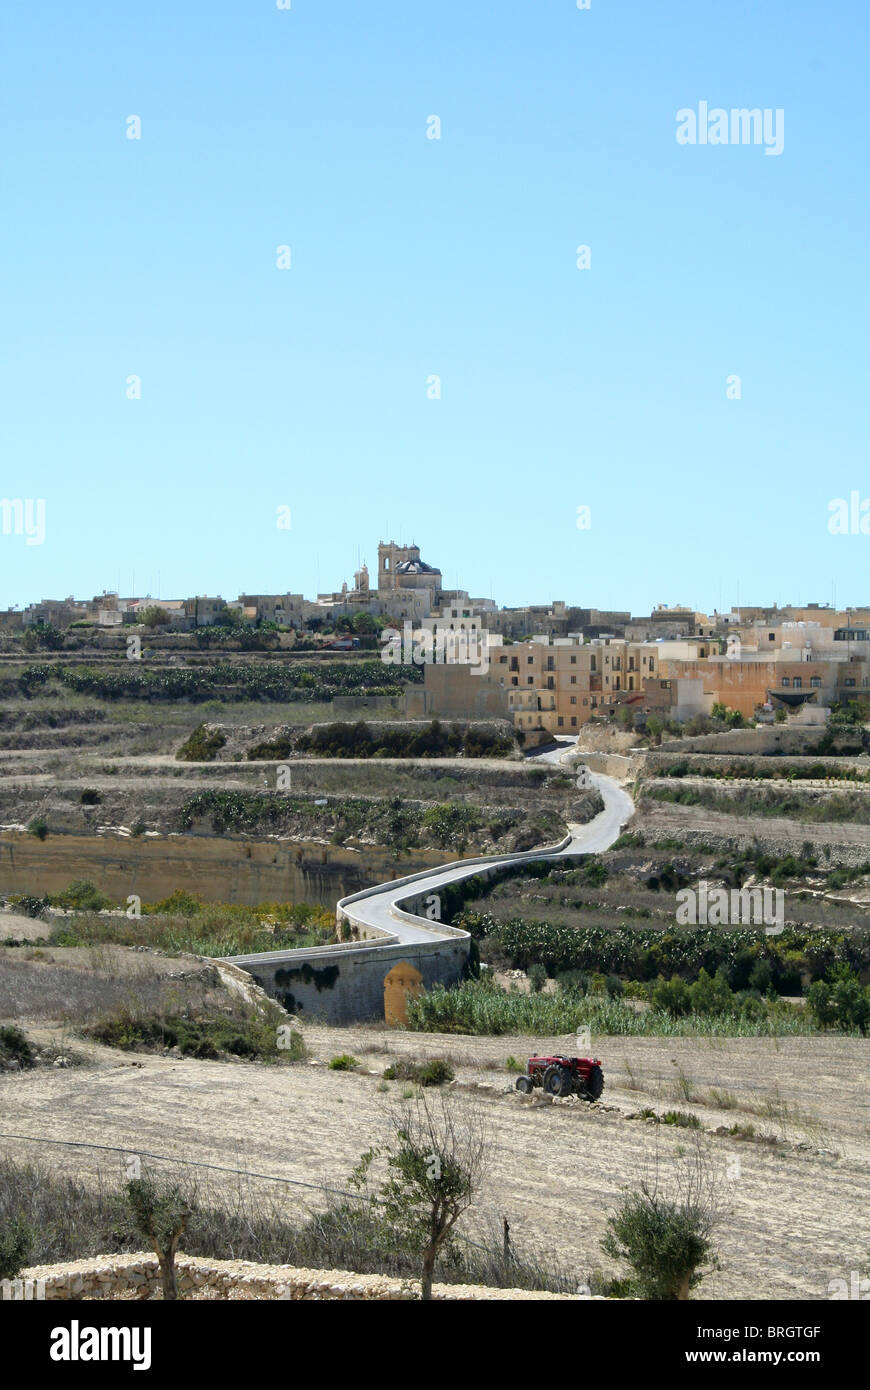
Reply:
x=203, y=745
x=250, y=1033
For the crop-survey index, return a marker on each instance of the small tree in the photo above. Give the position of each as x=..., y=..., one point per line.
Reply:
x=43, y=635
x=625, y=717
x=16, y=1242
x=655, y=728
x=673, y=996
x=666, y=1235
x=154, y=617
x=711, y=995
x=437, y=1160
x=161, y=1214
x=840, y=1001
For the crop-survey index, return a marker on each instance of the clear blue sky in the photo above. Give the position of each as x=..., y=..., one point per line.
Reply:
x=413, y=257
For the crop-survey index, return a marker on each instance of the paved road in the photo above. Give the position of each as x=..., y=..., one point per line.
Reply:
x=378, y=908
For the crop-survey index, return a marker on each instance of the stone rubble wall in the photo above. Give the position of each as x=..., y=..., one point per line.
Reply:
x=114, y=1276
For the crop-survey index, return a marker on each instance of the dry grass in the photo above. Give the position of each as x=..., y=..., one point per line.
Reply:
x=76, y=986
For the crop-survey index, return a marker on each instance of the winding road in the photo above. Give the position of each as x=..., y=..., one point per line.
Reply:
x=379, y=910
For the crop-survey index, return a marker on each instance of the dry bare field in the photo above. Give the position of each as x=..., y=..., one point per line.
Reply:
x=797, y=1217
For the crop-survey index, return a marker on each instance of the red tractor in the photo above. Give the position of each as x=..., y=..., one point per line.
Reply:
x=564, y=1076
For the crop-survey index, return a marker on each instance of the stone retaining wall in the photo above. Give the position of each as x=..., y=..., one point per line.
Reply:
x=120, y=1276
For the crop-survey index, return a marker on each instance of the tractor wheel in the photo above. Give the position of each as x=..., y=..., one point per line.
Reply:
x=595, y=1084
x=557, y=1081
x=524, y=1084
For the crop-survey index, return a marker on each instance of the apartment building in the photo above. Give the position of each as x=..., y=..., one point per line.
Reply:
x=747, y=680
x=574, y=680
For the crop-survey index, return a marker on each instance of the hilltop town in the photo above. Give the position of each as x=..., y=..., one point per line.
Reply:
x=550, y=669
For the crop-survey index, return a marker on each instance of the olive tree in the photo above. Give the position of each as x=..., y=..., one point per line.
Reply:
x=161, y=1214
x=663, y=1230
x=436, y=1160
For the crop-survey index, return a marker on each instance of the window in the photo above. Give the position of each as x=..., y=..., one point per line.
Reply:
x=561, y=721
x=573, y=719
x=771, y=637
x=785, y=682
x=573, y=661
x=652, y=664
x=816, y=682
x=585, y=701
x=573, y=699
x=592, y=665
x=531, y=680
x=798, y=682
x=573, y=680
x=849, y=681
x=529, y=660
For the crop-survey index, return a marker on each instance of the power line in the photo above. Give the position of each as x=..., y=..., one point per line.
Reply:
x=214, y=1167
x=168, y=1158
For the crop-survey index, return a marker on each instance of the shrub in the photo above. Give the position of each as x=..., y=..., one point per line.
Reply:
x=39, y=828
x=537, y=977
x=343, y=1062
x=203, y=745
x=343, y=740
x=682, y=1118
x=90, y=797
x=840, y=1001
x=665, y=1238
x=249, y=1032
x=178, y=904
x=82, y=896
x=16, y=1242
x=30, y=906
x=672, y=996
x=449, y=823
x=711, y=996
x=595, y=874
x=761, y=976
x=15, y=1050
x=635, y=989
x=432, y=1073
